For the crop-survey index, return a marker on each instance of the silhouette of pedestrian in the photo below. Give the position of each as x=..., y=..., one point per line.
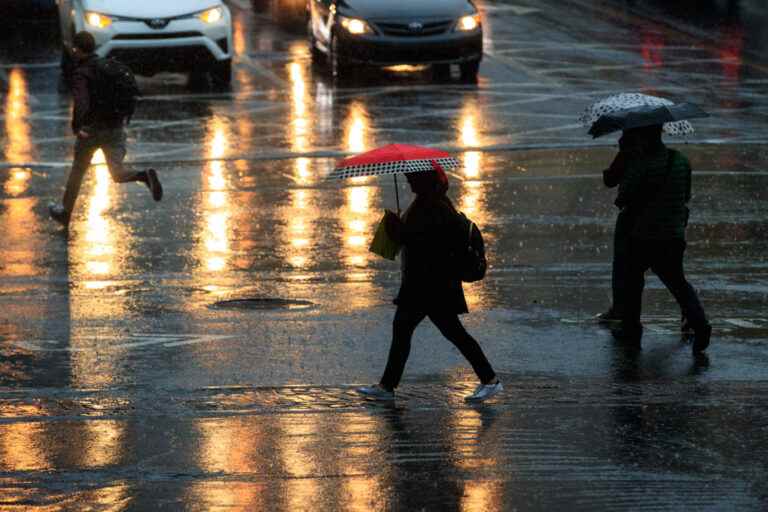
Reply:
x=653, y=196
x=430, y=285
x=611, y=178
x=96, y=126
x=621, y=237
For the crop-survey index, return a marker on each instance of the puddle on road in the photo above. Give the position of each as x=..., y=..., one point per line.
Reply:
x=262, y=303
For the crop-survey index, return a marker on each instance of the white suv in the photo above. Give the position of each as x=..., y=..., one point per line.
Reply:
x=154, y=35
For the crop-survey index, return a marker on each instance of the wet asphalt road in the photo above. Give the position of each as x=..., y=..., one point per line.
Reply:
x=128, y=382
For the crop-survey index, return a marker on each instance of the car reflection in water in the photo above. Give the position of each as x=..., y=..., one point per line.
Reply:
x=349, y=33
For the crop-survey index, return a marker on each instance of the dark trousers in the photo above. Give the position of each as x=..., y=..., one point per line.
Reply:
x=112, y=143
x=621, y=241
x=665, y=259
x=449, y=325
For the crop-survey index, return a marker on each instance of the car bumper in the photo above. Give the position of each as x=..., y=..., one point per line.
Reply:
x=450, y=48
x=182, y=45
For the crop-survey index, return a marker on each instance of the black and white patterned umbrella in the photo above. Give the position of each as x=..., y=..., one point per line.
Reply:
x=634, y=110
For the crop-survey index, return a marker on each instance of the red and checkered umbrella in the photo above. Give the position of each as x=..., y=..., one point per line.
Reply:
x=393, y=159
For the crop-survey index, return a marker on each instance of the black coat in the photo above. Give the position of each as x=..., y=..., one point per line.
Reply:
x=87, y=115
x=431, y=231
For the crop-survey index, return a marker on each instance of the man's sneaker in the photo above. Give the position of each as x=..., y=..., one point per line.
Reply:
x=609, y=317
x=376, y=392
x=153, y=182
x=701, y=339
x=484, y=392
x=59, y=214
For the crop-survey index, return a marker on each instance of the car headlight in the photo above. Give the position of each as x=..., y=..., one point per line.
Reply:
x=355, y=26
x=468, y=23
x=213, y=15
x=97, y=20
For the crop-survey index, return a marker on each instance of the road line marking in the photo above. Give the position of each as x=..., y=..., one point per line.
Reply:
x=240, y=4
x=742, y=323
x=517, y=10
x=263, y=71
x=30, y=66
x=143, y=340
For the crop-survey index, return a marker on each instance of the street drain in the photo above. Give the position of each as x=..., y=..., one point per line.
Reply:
x=262, y=303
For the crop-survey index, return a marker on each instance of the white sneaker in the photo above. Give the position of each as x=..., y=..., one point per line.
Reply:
x=484, y=392
x=376, y=392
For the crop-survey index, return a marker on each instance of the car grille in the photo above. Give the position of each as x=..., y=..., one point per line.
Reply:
x=160, y=35
x=406, y=30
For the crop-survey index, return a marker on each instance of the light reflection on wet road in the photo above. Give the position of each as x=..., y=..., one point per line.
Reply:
x=125, y=384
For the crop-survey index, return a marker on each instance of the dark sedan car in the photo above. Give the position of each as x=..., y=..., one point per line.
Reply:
x=351, y=33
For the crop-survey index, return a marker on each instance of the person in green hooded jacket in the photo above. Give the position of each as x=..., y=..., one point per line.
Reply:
x=654, y=192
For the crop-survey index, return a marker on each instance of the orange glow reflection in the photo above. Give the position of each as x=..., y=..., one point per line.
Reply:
x=99, y=248
x=19, y=224
x=216, y=212
x=102, y=444
x=18, y=146
x=22, y=446
x=482, y=495
x=301, y=213
x=364, y=441
x=239, y=40
x=471, y=193
x=356, y=217
x=229, y=449
x=298, y=461
x=98, y=256
x=17, y=218
x=357, y=128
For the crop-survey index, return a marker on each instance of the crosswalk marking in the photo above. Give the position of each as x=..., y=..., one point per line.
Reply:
x=742, y=323
x=133, y=341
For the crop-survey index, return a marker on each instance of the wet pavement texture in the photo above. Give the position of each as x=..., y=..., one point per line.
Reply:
x=201, y=353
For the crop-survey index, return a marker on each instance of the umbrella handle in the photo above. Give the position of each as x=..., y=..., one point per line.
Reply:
x=397, y=195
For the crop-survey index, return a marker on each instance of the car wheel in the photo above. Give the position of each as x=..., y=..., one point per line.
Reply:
x=221, y=73
x=469, y=70
x=339, y=68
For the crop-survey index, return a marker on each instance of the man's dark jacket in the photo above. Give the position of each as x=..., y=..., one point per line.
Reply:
x=654, y=191
x=87, y=115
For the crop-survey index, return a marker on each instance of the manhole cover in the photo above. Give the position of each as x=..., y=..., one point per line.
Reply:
x=262, y=303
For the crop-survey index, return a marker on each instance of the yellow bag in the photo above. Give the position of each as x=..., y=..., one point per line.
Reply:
x=382, y=244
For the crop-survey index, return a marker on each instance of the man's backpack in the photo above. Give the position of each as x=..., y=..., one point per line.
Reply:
x=116, y=91
x=470, y=257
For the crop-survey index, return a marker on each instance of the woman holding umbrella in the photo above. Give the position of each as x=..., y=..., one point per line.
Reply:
x=430, y=286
